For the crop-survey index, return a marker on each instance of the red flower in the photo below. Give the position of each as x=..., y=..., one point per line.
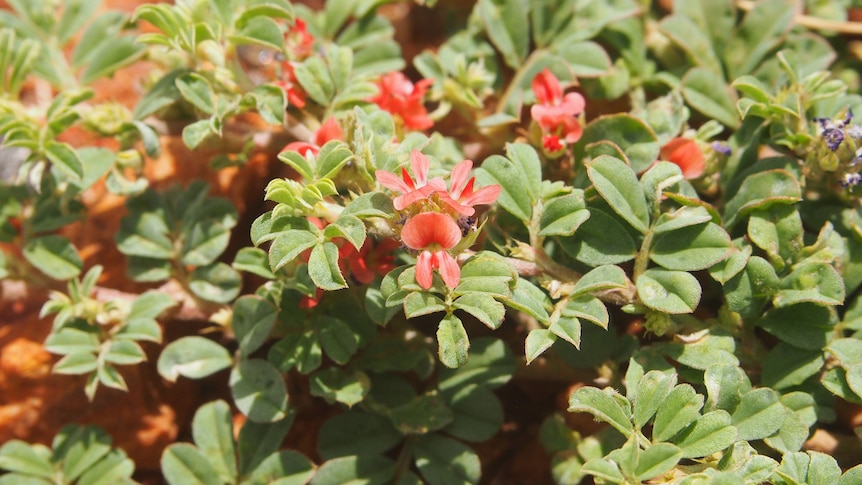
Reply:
x=685, y=153
x=298, y=41
x=399, y=96
x=461, y=196
x=434, y=234
x=290, y=86
x=411, y=190
x=329, y=130
x=372, y=259
x=555, y=113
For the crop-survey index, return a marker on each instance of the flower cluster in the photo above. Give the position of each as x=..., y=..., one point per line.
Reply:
x=436, y=218
x=404, y=100
x=556, y=113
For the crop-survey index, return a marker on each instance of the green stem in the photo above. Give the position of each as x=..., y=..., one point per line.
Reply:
x=642, y=258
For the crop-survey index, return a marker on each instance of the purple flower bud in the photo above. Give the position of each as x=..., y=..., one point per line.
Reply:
x=851, y=179
x=833, y=137
x=721, y=147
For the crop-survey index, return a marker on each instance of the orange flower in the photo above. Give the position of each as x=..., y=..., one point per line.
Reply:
x=399, y=96
x=372, y=259
x=685, y=153
x=556, y=113
x=461, y=196
x=434, y=234
x=411, y=190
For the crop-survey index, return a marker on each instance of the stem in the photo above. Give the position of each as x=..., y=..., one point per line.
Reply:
x=642, y=258
x=403, y=462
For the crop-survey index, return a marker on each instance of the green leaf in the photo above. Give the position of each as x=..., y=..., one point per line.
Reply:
x=197, y=90
x=669, y=291
x=193, y=357
x=288, y=245
x=428, y=412
x=506, y=25
x=286, y=467
x=537, y=342
x=257, y=441
x=477, y=414
x=563, y=215
x=761, y=31
x=270, y=102
x=653, y=389
x=315, y=79
x=195, y=133
x=335, y=385
x=759, y=414
x=531, y=300
x=567, y=328
x=217, y=282
x=483, y=307
x=442, y=460
x=618, y=185
x=111, y=56
x=350, y=228
x=53, y=255
x=356, y=433
x=679, y=409
x=452, y=342
x=702, y=350
x=749, y=290
x=300, y=350
x=604, y=469
x=683, y=217
x=337, y=338
x=711, y=433
x=260, y=30
x=693, y=39
x=584, y=59
x=725, y=384
x=762, y=189
x=212, y=429
x=204, y=242
x=601, y=240
x=848, y=351
x=706, y=92
x=69, y=340
x=600, y=278
x=66, y=159
x=162, y=94
x=520, y=176
x=787, y=366
x=366, y=469
x=811, y=282
x=323, y=267
x=491, y=364
x=778, y=231
x=77, y=363
x=603, y=405
x=419, y=303
x=124, y=352
x=19, y=457
x=258, y=390
x=632, y=135
x=253, y=260
x=657, y=460
x=691, y=248
x=183, y=464
x=253, y=318
x=588, y=308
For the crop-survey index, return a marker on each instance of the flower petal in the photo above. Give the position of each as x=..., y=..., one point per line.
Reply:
x=430, y=229
x=546, y=87
x=424, y=269
x=449, y=269
x=459, y=178
x=420, y=165
x=391, y=181
x=485, y=195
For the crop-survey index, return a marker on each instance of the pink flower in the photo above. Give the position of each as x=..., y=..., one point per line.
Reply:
x=685, y=153
x=329, y=130
x=555, y=113
x=411, y=190
x=461, y=196
x=434, y=234
x=399, y=96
